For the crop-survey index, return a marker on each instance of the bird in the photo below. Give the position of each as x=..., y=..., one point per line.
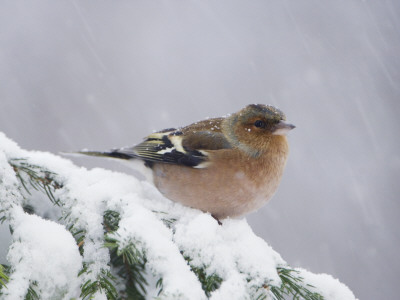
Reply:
x=227, y=166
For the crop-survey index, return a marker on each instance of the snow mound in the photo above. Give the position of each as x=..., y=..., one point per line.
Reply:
x=43, y=252
x=58, y=252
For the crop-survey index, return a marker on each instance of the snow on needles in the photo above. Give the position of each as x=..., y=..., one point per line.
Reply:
x=45, y=253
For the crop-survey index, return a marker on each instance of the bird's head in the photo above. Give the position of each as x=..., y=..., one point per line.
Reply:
x=254, y=127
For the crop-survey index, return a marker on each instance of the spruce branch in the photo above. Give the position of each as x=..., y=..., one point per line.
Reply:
x=31, y=294
x=209, y=283
x=37, y=177
x=104, y=283
x=42, y=180
x=128, y=261
x=293, y=285
x=130, y=268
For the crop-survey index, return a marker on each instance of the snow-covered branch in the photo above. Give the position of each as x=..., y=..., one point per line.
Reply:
x=97, y=234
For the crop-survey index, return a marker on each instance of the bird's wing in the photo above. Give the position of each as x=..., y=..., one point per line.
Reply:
x=181, y=147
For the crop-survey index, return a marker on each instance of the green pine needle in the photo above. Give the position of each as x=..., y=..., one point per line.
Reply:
x=3, y=277
x=160, y=286
x=31, y=294
x=293, y=285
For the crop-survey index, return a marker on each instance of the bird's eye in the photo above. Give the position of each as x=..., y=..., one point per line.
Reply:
x=259, y=124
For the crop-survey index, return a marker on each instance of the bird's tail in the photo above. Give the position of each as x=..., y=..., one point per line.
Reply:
x=111, y=154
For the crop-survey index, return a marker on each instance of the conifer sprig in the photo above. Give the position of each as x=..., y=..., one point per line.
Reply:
x=105, y=283
x=209, y=283
x=37, y=177
x=31, y=294
x=129, y=261
x=293, y=285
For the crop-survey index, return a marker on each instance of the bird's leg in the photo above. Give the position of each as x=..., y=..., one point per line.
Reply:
x=219, y=222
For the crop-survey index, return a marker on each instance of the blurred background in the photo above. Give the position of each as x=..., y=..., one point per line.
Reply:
x=103, y=74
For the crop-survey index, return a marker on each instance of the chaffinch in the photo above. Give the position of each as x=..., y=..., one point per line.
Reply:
x=226, y=166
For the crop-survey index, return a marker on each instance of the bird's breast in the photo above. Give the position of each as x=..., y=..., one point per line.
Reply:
x=232, y=185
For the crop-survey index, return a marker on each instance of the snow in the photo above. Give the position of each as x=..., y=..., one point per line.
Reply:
x=142, y=227
x=326, y=285
x=45, y=252
x=228, y=250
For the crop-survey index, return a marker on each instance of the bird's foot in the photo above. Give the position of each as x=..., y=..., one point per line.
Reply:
x=219, y=222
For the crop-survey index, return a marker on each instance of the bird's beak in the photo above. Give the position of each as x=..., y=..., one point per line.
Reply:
x=282, y=128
